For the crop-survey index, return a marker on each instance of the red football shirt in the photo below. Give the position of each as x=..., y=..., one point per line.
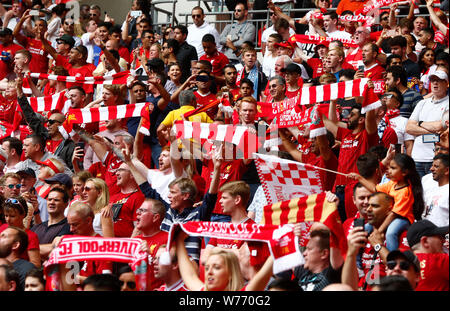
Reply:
x=154, y=242
x=352, y=146
x=375, y=72
x=11, y=49
x=203, y=100
x=434, y=272
x=317, y=66
x=229, y=171
x=218, y=61
x=39, y=59
x=123, y=226
x=84, y=71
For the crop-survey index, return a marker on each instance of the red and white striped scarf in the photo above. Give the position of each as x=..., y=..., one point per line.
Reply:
x=242, y=136
x=118, y=78
x=56, y=102
x=89, y=115
x=322, y=93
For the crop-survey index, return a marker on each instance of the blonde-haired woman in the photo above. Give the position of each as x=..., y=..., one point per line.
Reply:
x=49, y=168
x=96, y=195
x=222, y=271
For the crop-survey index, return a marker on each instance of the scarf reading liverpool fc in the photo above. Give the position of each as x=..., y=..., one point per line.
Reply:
x=283, y=244
x=81, y=248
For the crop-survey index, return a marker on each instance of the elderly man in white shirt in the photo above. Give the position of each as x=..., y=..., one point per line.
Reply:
x=200, y=28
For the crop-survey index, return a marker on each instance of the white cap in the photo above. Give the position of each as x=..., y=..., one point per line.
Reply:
x=439, y=74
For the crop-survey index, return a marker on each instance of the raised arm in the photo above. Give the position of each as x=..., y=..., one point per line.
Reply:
x=356, y=239
x=30, y=116
x=435, y=19
x=187, y=270
x=16, y=33
x=262, y=277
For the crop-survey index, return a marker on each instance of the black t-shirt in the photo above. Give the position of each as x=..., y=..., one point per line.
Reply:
x=22, y=267
x=309, y=281
x=47, y=233
x=185, y=55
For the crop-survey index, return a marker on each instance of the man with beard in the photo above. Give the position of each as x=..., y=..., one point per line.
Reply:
x=372, y=69
x=360, y=134
x=436, y=198
x=13, y=243
x=371, y=263
x=234, y=35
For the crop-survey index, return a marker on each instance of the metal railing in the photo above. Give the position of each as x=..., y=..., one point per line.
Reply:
x=259, y=23
x=170, y=15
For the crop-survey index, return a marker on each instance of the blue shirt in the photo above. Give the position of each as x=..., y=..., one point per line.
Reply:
x=200, y=213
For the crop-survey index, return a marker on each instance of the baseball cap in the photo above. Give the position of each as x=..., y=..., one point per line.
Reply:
x=27, y=171
x=5, y=32
x=60, y=178
x=408, y=255
x=49, y=164
x=66, y=39
x=422, y=228
x=284, y=44
x=292, y=68
x=440, y=75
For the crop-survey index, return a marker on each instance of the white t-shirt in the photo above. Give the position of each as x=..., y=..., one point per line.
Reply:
x=195, y=36
x=427, y=110
x=339, y=34
x=160, y=182
x=399, y=126
x=436, y=201
x=268, y=65
x=89, y=46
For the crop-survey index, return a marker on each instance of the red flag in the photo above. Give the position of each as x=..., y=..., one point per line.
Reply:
x=309, y=208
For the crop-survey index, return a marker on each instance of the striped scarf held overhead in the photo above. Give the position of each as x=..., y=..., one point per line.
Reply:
x=118, y=78
x=89, y=115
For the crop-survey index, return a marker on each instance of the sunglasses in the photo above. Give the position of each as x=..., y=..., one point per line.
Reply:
x=238, y=10
x=87, y=188
x=130, y=284
x=14, y=202
x=68, y=24
x=11, y=186
x=92, y=14
x=51, y=122
x=404, y=265
x=196, y=15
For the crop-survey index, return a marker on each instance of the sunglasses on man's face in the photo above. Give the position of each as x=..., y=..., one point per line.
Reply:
x=196, y=15
x=404, y=265
x=51, y=122
x=11, y=186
